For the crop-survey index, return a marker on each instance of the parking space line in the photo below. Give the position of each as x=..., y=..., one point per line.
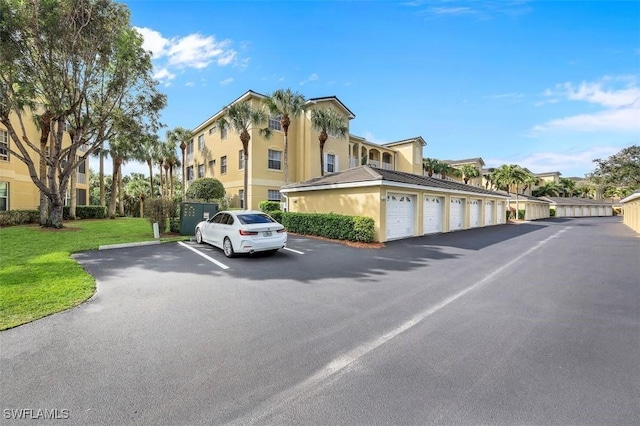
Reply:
x=295, y=251
x=199, y=253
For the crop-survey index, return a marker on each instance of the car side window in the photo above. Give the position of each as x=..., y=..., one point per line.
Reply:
x=218, y=218
x=230, y=220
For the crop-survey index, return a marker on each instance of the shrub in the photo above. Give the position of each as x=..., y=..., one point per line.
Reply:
x=276, y=215
x=162, y=211
x=19, y=217
x=552, y=212
x=330, y=225
x=269, y=206
x=86, y=212
x=521, y=214
x=205, y=189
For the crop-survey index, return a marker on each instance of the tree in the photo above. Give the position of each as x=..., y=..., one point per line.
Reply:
x=469, y=171
x=509, y=175
x=287, y=105
x=148, y=152
x=206, y=189
x=327, y=121
x=181, y=137
x=488, y=178
x=430, y=166
x=241, y=117
x=620, y=169
x=445, y=169
x=547, y=189
x=568, y=186
x=80, y=64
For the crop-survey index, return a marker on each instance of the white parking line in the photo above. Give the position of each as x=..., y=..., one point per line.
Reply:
x=295, y=251
x=199, y=253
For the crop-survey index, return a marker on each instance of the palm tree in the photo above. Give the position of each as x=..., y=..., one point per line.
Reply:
x=326, y=121
x=528, y=181
x=148, y=148
x=568, y=186
x=183, y=136
x=510, y=175
x=445, y=169
x=488, y=178
x=430, y=165
x=547, y=189
x=241, y=117
x=469, y=171
x=287, y=105
x=171, y=161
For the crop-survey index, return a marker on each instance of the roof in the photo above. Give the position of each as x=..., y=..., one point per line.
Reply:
x=574, y=201
x=524, y=197
x=631, y=197
x=404, y=141
x=465, y=161
x=369, y=176
x=331, y=98
x=547, y=174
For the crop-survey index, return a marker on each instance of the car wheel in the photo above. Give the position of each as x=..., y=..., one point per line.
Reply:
x=227, y=247
x=198, y=236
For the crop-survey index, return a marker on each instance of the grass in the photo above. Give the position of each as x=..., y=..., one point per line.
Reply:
x=38, y=277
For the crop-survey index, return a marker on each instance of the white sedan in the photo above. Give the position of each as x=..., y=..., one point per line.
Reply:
x=242, y=231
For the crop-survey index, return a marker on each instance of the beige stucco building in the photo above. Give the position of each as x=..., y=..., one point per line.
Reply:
x=631, y=211
x=401, y=204
x=17, y=190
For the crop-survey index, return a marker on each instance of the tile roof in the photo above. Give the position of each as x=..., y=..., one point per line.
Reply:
x=465, y=161
x=371, y=174
x=573, y=201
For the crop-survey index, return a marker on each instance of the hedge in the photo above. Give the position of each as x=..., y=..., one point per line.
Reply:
x=86, y=212
x=328, y=225
x=269, y=206
x=19, y=217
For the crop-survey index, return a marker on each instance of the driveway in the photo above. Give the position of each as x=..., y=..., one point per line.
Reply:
x=536, y=323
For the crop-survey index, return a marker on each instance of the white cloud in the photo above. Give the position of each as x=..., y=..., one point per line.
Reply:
x=226, y=81
x=371, y=138
x=312, y=77
x=618, y=98
x=189, y=84
x=511, y=95
x=480, y=9
x=567, y=163
x=191, y=51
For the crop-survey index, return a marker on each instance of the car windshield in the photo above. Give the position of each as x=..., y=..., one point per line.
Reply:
x=249, y=219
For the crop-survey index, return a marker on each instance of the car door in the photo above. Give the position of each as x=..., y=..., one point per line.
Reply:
x=212, y=228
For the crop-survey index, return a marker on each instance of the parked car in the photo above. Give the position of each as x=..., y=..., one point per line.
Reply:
x=242, y=231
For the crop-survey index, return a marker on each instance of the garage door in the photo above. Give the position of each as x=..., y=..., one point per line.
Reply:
x=577, y=211
x=433, y=212
x=559, y=211
x=594, y=211
x=568, y=211
x=586, y=211
x=488, y=213
x=600, y=211
x=456, y=214
x=474, y=213
x=500, y=213
x=400, y=210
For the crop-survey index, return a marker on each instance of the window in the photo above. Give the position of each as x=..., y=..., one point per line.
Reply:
x=274, y=122
x=330, y=163
x=4, y=196
x=241, y=195
x=212, y=130
x=241, y=160
x=189, y=173
x=273, y=195
x=223, y=165
x=81, y=197
x=190, y=151
x=82, y=168
x=223, y=133
x=201, y=142
x=4, y=145
x=201, y=171
x=275, y=160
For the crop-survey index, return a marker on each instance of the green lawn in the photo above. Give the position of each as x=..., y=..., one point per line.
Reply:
x=38, y=276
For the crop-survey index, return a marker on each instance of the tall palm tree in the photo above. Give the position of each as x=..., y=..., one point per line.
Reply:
x=547, y=189
x=445, y=169
x=327, y=120
x=488, y=178
x=241, y=117
x=568, y=186
x=430, y=165
x=171, y=161
x=469, y=171
x=147, y=153
x=287, y=105
x=528, y=181
x=509, y=175
x=183, y=137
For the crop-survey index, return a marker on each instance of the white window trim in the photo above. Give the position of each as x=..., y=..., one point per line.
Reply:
x=336, y=167
x=6, y=197
x=4, y=138
x=269, y=159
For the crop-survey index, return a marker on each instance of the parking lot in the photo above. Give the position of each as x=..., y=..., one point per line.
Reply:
x=533, y=323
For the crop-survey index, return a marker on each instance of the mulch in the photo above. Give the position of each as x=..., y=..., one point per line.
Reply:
x=356, y=244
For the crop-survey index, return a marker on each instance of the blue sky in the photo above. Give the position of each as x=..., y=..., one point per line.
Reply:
x=549, y=85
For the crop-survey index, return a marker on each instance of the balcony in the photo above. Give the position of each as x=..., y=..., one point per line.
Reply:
x=81, y=178
x=380, y=165
x=353, y=162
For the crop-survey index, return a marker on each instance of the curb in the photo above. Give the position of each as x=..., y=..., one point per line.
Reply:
x=124, y=245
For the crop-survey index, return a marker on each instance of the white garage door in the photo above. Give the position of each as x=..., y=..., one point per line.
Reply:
x=585, y=211
x=577, y=211
x=608, y=211
x=456, y=214
x=568, y=211
x=600, y=211
x=488, y=213
x=400, y=210
x=474, y=213
x=432, y=214
x=559, y=211
x=594, y=211
x=500, y=213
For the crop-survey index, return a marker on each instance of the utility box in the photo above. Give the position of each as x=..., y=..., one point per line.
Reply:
x=193, y=213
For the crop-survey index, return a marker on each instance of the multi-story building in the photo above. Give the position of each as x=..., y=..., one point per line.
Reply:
x=217, y=154
x=17, y=190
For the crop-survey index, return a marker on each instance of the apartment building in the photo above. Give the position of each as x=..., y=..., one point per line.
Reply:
x=17, y=190
x=212, y=153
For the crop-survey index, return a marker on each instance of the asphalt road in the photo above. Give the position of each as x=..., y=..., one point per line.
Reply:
x=537, y=323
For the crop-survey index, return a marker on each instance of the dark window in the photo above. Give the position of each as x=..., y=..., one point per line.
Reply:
x=248, y=219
